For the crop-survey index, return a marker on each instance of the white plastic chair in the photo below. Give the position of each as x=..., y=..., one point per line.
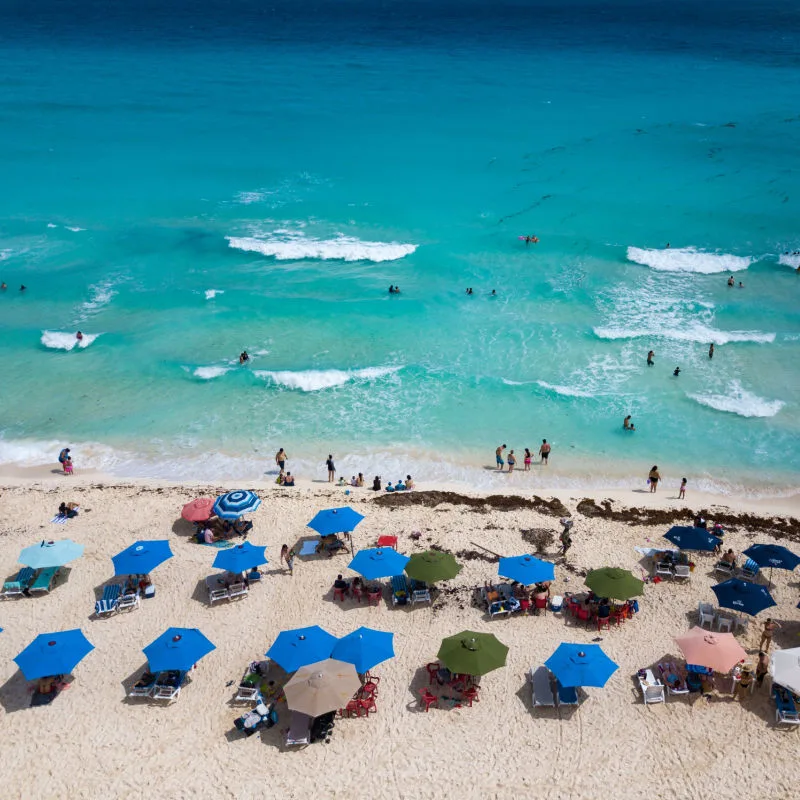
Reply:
x=724, y=623
x=664, y=568
x=683, y=571
x=652, y=690
x=705, y=611
x=237, y=590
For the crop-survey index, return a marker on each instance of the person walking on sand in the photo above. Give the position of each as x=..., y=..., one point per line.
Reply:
x=527, y=460
x=565, y=538
x=512, y=460
x=682, y=490
x=544, y=451
x=331, y=469
x=287, y=557
x=770, y=626
x=498, y=457
x=711, y=350
x=650, y=356
x=654, y=477
x=280, y=459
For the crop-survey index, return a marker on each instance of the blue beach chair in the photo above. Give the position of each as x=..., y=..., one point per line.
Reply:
x=44, y=580
x=20, y=584
x=109, y=601
x=567, y=695
x=785, y=709
x=749, y=570
x=400, y=596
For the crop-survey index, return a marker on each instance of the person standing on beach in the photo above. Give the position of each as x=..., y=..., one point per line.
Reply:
x=512, y=460
x=544, y=451
x=331, y=468
x=565, y=538
x=64, y=456
x=762, y=667
x=650, y=356
x=711, y=350
x=498, y=456
x=527, y=460
x=770, y=626
x=654, y=477
x=682, y=490
x=281, y=458
x=287, y=557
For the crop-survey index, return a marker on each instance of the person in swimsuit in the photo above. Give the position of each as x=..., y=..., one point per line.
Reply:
x=280, y=459
x=676, y=372
x=469, y=291
x=650, y=358
x=498, y=456
x=331, y=468
x=544, y=451
x=512, y=460
x=770, y=626
x=527, y=460
x=79, y=336
x=654, y=477
x=682, y=490
x=626, y=423
x=731, y=281
x=243, y=356
x=711, y=350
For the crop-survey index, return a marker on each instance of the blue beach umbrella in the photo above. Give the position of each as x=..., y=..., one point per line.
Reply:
x=50, y=554
x=376, y=562
x=141, y=558
x=364, y=648
x=335, y=520
x=581, y=665
x=240, y=558
x=53, y=654
x=749, y=598
x=297, y=648
x=233, y=504
x=689, y=538
x=177, y=649
x=772, y=556
x=526, y=569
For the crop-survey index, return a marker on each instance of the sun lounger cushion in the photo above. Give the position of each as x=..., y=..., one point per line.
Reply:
x=44, y=580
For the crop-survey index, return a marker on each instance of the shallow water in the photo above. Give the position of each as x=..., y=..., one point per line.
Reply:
x=185, y=183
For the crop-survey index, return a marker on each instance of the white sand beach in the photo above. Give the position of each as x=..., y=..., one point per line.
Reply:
x=93, y=742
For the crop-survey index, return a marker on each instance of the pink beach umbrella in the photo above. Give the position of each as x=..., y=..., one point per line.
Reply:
x=718, y=651
x=198, y=510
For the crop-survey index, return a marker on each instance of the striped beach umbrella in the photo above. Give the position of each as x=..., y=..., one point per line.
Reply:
x=233, y=504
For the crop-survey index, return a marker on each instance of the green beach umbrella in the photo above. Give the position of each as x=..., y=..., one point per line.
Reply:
x=470, y=653
x=432, y=566
x=614, y=582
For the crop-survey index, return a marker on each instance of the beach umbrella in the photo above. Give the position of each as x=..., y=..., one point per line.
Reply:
x=240, y=558
x=690, y=538
x=364, y=648
x=581, y=665
x=785, y=668
x=297, y=648
x=177, y=649
x=471, y=653
x=51, y=654
x=774, y=556
x=749, y=598
x=233, y=504
x=432, y=566
x=321, y=687
x=198, y=510
x=50, y=554
x=614, y=582
x=526, y=569
x=376, y=562
x=141, y=558
x=335, y=520
x=717, y=651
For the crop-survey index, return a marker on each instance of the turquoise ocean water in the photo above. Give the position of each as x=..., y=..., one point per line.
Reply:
x=184, y=182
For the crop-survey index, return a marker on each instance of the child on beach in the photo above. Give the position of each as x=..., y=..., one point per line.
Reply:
x=512, y=461
x=527, y=460
x=287, y=556
x=682, y=490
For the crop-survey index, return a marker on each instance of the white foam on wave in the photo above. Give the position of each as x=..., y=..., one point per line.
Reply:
x=566, y=391
x=314, y=380
x=59, y=340
x=51, y=225
x=789, y=260
x=690, y=332
x=688, y=259
x=739, y=401
x=212, y=293
x=6, y=253
x=295, y=247
x=101, y=294
x=74, y=228
x=209, y=373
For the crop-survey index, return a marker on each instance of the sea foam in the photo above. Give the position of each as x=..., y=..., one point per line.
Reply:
x=209, y=373
x=789, y=260
x=314, y=380
x=689, y=332
x=688, y=259
x=565, y=391
x=295, y=247
x=59, y=340
x=212, y=293
x=740, y=401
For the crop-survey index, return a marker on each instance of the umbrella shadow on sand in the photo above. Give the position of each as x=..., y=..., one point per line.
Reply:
x=787, y=636
x=16, y=693
x=182, y=527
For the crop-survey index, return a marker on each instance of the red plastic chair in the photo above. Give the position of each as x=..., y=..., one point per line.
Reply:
x=433, y=672
x=369, y=689
x=603, y=622
x=540, y=602
x=368, y=704
x=428, y=699
x=353, y=705
x=370, y=678
x=618, y=615
x=582, y=613
x=374, y=598
x=338, y=594
x=470, y=696
x=387, y=541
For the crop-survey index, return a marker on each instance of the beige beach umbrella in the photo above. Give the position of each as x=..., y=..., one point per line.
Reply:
x=321, y=687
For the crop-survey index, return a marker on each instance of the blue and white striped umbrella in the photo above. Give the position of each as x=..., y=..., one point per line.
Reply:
x=233, y=504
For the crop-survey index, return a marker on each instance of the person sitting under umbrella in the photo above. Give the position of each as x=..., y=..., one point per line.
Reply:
x=729, y=558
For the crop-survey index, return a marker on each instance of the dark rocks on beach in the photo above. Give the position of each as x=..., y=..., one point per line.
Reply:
x=494, y=502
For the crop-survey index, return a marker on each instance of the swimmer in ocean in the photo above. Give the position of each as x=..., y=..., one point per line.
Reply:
x=529, y=239
x=677, y=371
x=494, y=293
x=626, y=423
x=23, y=287
x=469, y=291
x=79, y=336
x=650, y=358
x=243, y=356
x=731, y=281
x=4, y=287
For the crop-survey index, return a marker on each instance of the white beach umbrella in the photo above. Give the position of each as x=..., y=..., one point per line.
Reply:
x=785, y=668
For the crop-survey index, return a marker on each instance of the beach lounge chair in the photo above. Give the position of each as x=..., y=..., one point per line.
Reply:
x=705, y=612
x=672, y=679
x=652, y=688
x=749, y=570
x=420, y=592
x=542, y=688
x=20, y=584
x=249, y=688
x=724, y=568
x=260, y=717
x=144, y=686
x=299, y=732
x=237, y=590
x=400, y=595
x=664, y=568
x=785, y=709
x=217, y=590
x=682, y=571
x=168, y=685
x=128, y=601
x=108, y=603
x=567, y=695
x=44, y=580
